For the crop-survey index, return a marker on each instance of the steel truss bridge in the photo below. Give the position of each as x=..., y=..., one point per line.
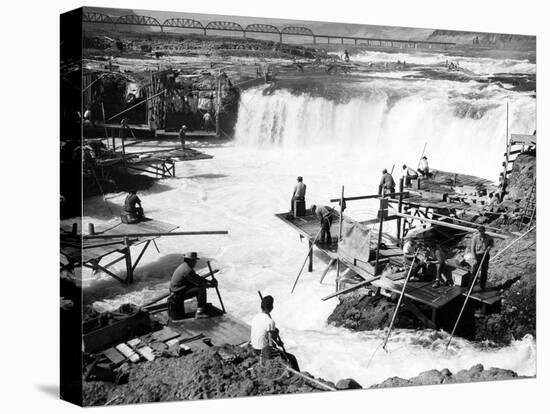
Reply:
x=184, y=23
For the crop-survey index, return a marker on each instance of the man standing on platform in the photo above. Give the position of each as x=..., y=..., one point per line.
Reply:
x=182, y=133
x=480, y=246
x=299, y=193
x=387, y=185
x=186, y=284
x=264, y=335
x=325, y=215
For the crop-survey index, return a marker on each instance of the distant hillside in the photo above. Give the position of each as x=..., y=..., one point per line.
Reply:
x=494, y=40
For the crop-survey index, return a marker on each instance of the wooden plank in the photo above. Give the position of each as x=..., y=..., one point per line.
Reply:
x=489, y=296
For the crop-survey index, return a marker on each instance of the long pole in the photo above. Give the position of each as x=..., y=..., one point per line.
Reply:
x=133, y=106
x=449, y=225
x=217, y=290
x=467, y=297
x=399, y=301
x=512, y=243
x=337, y=284
x=154, y=234
x=305, y=261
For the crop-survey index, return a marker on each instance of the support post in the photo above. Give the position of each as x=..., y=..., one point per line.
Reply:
x=218, y=105
x=339, y=238
x=381, y=212
x=400, y=207
x=310, y=257
x=128, y=257
x=281, y=38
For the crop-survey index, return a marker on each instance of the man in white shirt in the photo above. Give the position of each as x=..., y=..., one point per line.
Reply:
x=264, y=335
x=423, y=167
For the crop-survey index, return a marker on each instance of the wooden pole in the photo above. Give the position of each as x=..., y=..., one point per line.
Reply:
x=104, y=126
x=312, y=380
x=330, y=263
x=217, y=290
x=337, y=284
x=351, y=288
x=309, y=253
x=467, y=297
x=155, y=234
x=128, y=258
x=512, y=243
x=399, y=301
x=400, y=207
x=381, y=213
x=449, y=225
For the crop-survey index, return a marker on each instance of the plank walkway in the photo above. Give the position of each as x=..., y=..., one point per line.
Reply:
x=221, y=328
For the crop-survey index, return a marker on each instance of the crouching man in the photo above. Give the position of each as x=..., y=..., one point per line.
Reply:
x=264, y=336
x=186, y=284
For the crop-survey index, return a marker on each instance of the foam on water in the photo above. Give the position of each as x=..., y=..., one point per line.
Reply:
x=330, y=143
x=480, y=66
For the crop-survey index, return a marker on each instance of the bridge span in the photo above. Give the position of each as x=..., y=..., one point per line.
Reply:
x=218, y=25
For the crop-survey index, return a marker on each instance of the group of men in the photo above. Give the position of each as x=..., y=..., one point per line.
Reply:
x=418, y=256
x=387, y=183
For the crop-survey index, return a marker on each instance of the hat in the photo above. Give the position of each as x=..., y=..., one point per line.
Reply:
x=300, y=178
x=191, y=256
x=183, y=127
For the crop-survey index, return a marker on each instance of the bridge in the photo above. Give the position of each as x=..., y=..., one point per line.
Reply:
x=218, y=25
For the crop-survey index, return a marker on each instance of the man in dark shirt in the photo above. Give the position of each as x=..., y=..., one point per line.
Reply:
x=132, y=206
x=325, y=215
x=387, y=185
x=186, y=284
x=480, y=246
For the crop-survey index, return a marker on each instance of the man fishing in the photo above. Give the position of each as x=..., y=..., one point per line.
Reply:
x=408, y=175
x=186, y=284
x=387, y=184
x=132, y=206
x=325, y=215
x=264, y=336
x=299, y=192
x=480, y=246
x=423, y=167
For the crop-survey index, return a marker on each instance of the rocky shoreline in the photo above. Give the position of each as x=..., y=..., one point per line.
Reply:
x=232, y=371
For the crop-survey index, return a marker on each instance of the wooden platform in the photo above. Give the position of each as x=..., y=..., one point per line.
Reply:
x=221, y=328
x=308, y=226
x=90, y=252
x=421, y=292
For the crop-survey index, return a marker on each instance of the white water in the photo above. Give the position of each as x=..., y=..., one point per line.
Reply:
x=281, y=136
x=480, y=66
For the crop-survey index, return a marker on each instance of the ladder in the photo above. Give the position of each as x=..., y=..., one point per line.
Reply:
x=530, y=206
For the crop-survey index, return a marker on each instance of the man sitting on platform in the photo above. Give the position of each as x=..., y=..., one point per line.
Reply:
x=264, y=336
x=186, y=284
x=423, y=167
x=132, y=208
x=408, y=175
x=299, y=193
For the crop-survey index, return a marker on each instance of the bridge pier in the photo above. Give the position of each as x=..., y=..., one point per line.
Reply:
x=342, y=40
x=355, y=42
x=314, y=40
x=281, y=38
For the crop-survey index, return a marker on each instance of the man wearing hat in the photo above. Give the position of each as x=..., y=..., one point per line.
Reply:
x=299, y=192
x=479, y=247
x=186, y=284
